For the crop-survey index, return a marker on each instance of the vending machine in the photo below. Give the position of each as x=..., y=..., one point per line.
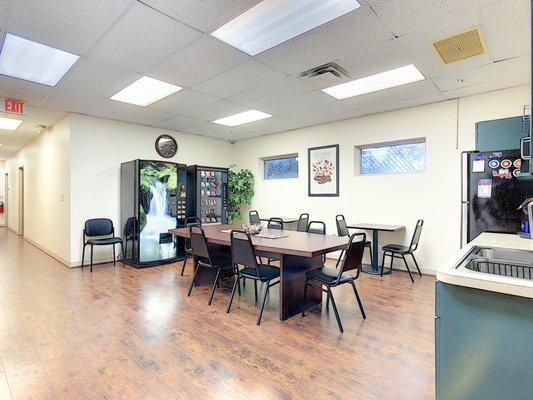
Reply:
x=207, y=194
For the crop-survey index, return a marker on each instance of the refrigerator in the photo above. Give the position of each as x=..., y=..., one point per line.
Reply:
x=153, y=200
x=491, y=193
x=207, y=194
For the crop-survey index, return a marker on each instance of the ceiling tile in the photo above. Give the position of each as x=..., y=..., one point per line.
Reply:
x=73, y=26
x=5, y=9
x=127, y=112
x=487, y=73
x=183, y=102
x=194, y=126
x=32, y=93
x=200, y=60
x=396, y=105
x=206, y=16
x=508, y=28
x=500, y=83
x=348, y=34
x=216, y=110
x=244, y=77
x=284, y=89
x=143, y=38
x=44, y=116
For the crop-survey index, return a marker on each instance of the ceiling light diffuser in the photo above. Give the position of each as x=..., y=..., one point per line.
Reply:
x=272, y=22
x=145, y=91
x=9, y=123
x=373, y=83
x=24, y=59
x=242, y=118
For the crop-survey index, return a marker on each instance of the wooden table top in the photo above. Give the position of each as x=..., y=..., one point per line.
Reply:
x=296, y=243
x=377, y=227
x=286, y=220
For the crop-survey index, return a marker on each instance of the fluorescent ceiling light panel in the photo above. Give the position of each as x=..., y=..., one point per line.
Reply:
x=272, y=22
x=373, y=83
x=9, y=123
x=145, y=91
x=242, y=118
x=24, y=59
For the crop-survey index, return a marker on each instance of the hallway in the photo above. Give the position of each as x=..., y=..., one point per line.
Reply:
x=121, y=333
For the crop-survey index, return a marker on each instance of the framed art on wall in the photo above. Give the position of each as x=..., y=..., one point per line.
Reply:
x=323, y=170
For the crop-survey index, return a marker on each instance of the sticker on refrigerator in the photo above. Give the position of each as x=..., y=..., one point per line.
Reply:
x=484, y=188
x=517, y=163
x=478, y=165
x=494, y=164
x=506, y=163
x=497, y=154
x=502, y=173
x=516, y=173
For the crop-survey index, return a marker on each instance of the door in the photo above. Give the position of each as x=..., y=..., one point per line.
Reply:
x=21, y=200
x=6, y=197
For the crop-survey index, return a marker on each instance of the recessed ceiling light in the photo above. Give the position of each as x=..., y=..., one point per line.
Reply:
x=145, y=91
x=373, y=83
x=24, y=59
x=242, y=118
x=9, y=123
x=272, y=22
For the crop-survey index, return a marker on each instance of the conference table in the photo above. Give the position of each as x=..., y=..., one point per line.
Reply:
x=375, y=268
x=297, y=253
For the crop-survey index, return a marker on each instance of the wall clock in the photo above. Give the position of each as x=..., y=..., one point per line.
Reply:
x=166, y=146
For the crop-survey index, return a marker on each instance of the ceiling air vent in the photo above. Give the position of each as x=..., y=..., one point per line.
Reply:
x=325, y=75
x=460, y=47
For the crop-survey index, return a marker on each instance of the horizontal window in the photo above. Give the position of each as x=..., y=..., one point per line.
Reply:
x=281, y=167
x=393, y=157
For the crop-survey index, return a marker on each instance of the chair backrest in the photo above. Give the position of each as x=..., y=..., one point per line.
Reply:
x=129, y=228
x=253, y=217
x=192, y=221
x=316, y=227
x=302, y=222
x=275, y=223
x=342, y=227
x=242, y=251
x=353, y=258
x=98, y=227
x=416, y=235
x=198, y=243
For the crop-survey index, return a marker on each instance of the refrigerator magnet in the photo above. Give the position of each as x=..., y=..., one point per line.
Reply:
x=494, y=164
x=484, y=188
x=478, y=165
x=506, y=163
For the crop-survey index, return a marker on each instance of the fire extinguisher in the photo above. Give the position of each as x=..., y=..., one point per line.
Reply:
x=1, y=207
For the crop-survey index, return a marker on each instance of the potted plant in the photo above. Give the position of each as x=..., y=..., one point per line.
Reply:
x=240, y=191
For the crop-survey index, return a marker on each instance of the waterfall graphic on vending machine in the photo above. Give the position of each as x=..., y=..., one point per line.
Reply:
x=158, y=220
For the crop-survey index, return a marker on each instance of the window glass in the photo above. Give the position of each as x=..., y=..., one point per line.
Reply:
x=281, y=168
x=394, y=158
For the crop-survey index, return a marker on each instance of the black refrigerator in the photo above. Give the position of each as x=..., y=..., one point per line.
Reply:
x=207, y=194
x=491, y=193
x=153, y=200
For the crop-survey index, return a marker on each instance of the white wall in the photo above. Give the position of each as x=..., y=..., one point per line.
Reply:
x=391, y=198
x=98, y=147
x=46, y=191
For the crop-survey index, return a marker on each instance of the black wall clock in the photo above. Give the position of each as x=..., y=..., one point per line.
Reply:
x=166, y=146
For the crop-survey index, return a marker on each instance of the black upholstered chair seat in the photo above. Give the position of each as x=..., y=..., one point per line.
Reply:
x=266, y=272
x=105, y=241
x=319, y=275
x=397, y=248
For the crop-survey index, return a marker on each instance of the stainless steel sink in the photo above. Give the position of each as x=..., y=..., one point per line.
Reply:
x=499, y=261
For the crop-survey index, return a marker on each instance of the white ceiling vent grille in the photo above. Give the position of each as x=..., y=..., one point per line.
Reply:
x=324, y=75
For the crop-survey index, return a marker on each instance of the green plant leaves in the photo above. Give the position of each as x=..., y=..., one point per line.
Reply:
x=240, y=191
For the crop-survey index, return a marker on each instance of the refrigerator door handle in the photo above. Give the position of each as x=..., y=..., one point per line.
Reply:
x=464, y=199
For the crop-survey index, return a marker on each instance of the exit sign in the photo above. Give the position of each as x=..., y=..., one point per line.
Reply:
x=13, y=106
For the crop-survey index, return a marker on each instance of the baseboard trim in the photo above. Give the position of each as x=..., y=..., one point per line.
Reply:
x=14, y=231
x=48, y=252
x=425, y=271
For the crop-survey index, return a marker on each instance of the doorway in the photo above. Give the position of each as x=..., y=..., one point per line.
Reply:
x=6, y=199
x=21, y=200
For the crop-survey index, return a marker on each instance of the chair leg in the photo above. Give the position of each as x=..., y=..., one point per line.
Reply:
x=239, y=286
x=263, y=303
x=304, y=301
x=125, y=251
x=255, y=290
x=215, y=285
x=83, y=254
x=339, y=323
x=91, y=258
x=340, y=258
x=184, y=263
x=383, y=262
x=122, y=251
x=414, y=259
x=391, y=261
x=235, y=285
x=114, y=255
x=408, y=270
x=358, y=300
x=193, y=279
x=327, y=302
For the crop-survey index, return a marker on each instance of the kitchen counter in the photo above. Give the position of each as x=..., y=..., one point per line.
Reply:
x=447, y=273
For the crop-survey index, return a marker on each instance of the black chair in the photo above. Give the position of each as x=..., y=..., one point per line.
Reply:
x=275, y=223
x=253, y=217
x=189, y=221
x=303, y=221
x=203, y=258
x=129, y=234
x=318, y=227
x=400, y=251
x=97, y=227
x=330, y=277
x=243, y=254
x=342, y=230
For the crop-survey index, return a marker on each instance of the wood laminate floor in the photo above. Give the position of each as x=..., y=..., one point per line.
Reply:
x=121, y=333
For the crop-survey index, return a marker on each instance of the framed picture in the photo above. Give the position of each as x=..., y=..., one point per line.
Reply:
x=323, y=170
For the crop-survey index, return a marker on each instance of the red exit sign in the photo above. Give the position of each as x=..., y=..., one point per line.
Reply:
x=14, y=106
